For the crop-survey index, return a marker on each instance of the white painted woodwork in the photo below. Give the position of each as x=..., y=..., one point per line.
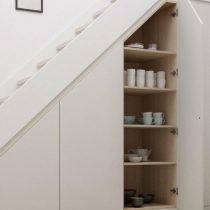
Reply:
x=61, y=46
x=64, y=68
x=82, y=28
x=190, y=110
x=91, y=120
x=41, y=64
x=207, y=208
x=2, y=100
x=98, y=13
x=29, y=171
x=22, y=81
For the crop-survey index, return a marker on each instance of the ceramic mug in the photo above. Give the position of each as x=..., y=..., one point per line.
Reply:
x=140, y=73
x=147, y=114
x=158, y=115
x=161, y=83
x=161, y=75
x=150, y=74
x=149, y=120
x=150, y=82
x=145, y=158
x=125, y=78
x=159, y=121
x=140, y=81
x=131, y=72
x=131, y=81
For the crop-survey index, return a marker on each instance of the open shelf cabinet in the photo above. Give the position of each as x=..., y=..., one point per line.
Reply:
x=157, y=176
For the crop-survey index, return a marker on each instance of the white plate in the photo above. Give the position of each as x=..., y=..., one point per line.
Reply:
x=135, y=46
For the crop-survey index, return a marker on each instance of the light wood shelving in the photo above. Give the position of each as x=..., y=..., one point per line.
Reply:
x=152, y=163
x=150, y=126
x=150, y=207
x=143, y=55
x=146, y=91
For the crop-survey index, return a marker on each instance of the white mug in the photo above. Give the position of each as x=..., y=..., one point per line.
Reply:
x=147, y=114
x=150, y=82
x=145, y=158
x=159, y=121
x=131, y=81
x=140, y=73
x=125, y=78
x=140, y=81
x=161, y=83
x=155, y=77
x=158, y=115
x=131, y=72
x=150, y=74
x=149, y=120
x=161, y=75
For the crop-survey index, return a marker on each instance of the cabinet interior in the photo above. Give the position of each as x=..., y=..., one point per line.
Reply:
x=153, y=179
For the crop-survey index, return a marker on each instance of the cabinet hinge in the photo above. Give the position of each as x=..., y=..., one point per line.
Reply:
x=175, y=13
x=175, y=72
x=175, y=131
x=175, y=191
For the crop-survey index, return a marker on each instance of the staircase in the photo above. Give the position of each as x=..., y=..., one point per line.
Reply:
x=41, y=84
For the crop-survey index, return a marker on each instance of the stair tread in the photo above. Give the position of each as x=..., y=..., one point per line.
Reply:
x=2, y=100
x=61, y=46
x=80, y=29
x=22, y=81
x=41, y=64
x=96, y=14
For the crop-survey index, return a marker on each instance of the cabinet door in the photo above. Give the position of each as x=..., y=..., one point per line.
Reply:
x=92, y=139
x=29, y=171
x=190, y=109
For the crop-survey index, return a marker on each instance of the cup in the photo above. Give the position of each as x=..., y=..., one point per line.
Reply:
x=131, y=80
x=147, y=114
x=161, y=83
x=131, y=72
x=150, y=82
x=140, y=81
x=150, y=74
x=140, y=73
x=125, y=78
x=161, y=75
x=158, y=115
x=145, y=158
x=155, y=77
x=159, y=121
x=149, y=120
x=152, y=46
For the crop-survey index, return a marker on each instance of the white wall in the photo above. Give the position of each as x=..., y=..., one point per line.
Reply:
x=203, y=9
x=24, y=34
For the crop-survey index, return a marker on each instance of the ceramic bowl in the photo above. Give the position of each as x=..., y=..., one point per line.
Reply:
x=126, y=156
x=129, y=119
x=134, y=159
x=140, y=120
x=148, y=198
x=128, y=193
x=137, y=202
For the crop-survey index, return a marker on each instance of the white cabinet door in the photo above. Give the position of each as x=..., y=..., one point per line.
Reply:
x=91, y=161
x=29, y=171
x=190, y=109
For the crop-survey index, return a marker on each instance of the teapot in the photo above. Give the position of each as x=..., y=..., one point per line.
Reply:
x=142, y=152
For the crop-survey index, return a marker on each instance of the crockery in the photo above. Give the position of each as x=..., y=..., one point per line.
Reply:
x=161, y=75
x=155, y=78
x=137, y=202
x=152, y=46
x=147, y=114
x=158, y=114
x=135, y=45
x=161, y=83
x=142, y=152
x=145, y=158
x=149, y=74
x=149, y=120
x=128, y=193
x=159, y=121
x=131, y=80
x=131, y=72
x=130, y=155
x=134, y=159
x=150, y=82
x=125, y=78
x=148, y=198
x=140, y=81
x=129, y=119
x=140, y=73
x=140, y=120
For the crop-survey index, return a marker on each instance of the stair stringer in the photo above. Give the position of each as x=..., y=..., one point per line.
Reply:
x=61, y=74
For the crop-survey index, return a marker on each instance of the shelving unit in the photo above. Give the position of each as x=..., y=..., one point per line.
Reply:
x=158, y=176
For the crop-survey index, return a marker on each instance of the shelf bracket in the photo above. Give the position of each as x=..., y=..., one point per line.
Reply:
x=175, y=191
x=174, y=131
x=175, y=13
x=174, y=72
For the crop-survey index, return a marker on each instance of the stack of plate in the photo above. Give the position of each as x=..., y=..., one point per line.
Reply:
x=135, y=45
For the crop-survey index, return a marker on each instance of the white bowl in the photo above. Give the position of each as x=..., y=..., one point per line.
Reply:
x=126, y=156
x=134, y=159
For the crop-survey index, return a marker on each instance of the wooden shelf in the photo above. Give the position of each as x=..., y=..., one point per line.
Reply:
x=149, y=126
x=152, y=163
x=150, y=206
x=143, y=55
x=146, y=91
